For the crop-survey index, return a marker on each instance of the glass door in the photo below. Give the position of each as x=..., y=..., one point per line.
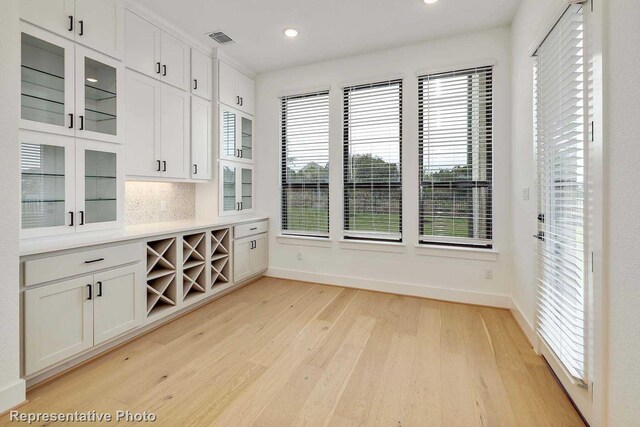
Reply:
x=228, y=134
x=47, y=184
x=99, y=185
x=98, y=96
x=47, y=91
x=246, y=189
x=228, y=194
x=246, y=139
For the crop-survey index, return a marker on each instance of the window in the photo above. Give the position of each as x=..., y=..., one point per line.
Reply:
x=372, y=161
x=455, y=138
x=305, y=164
x=560, y=133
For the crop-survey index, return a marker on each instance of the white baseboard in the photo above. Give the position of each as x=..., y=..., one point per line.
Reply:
x=453, y=295
x=13, y=395
x=524, y=324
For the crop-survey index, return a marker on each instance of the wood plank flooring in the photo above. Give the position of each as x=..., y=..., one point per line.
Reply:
x=280, y=353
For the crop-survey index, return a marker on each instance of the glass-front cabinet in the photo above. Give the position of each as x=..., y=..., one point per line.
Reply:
x=69, y=185
x=237, y=193
x=236, y=135
x=68, y=89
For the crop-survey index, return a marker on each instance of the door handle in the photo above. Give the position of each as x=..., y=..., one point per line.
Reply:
x=99, y=289
x=539, y=236
x=241, y=101
x=71, y=224
x=70, y=22
x=158, y=165
x=240, y=205
x=81, y=28
x=164, y=69
x=164, y=166
x=90, y=292
x=195, y=169
x=81, y=218
x=157, y=68
x=81, y=122
x=70, y=120
x=237, y=100
x=195, y=84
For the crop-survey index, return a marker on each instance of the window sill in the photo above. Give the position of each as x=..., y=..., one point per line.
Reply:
x=318, y=242
x=460, y=253
x=389, y=247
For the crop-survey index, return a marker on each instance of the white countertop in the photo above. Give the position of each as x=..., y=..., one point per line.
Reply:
x=79, y=240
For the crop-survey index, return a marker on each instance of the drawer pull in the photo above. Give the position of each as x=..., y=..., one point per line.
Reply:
x=253, y=228
x=94, y=260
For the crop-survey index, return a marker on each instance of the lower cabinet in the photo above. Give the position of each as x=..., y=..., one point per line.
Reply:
x=250, y=256
x=66, y=318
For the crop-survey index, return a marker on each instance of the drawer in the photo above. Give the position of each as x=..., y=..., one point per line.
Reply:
x=250, y=229
x=83, y=262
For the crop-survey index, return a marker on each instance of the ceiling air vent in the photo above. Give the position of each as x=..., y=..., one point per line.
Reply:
x=220, y=37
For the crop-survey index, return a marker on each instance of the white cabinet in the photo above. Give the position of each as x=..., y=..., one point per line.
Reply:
x=69, y=185
x=201, y=69
x=68, y=89
x=235, y=89
x=156, y=53
x=236, y=135
x=237, y=192
x=98, y=24
x=157, y=129
x=64, y=319
x=201, y=139
x=58, y=322
x=250, y=256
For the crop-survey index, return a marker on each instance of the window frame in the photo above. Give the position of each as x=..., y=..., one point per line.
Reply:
x=370, y=236
x=453, y=241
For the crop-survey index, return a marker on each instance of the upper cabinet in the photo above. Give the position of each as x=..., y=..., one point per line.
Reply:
x=98, y=24
x=201, y=69
x=235, y=89
x=236, y=135
x=201, y=138
x=156, y=53
x=68, y=89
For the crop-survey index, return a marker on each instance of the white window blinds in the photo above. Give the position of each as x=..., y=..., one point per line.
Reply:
x=455, y=138
x=305, y=164
x=372, y=161
x=561, y=170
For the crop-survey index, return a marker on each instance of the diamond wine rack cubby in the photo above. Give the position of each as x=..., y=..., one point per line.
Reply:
x=162, y=285
x=220, y=244
x=194, y=274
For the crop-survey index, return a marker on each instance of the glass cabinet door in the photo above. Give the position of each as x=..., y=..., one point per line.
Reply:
x=228, y=135
x=47, y=101
x=228, y=180
x=98, y=96
x=246, y=143
x=247, y=189
x=99, y=186
x=46, y=185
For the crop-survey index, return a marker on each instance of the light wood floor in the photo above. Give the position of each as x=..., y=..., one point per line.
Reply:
x=282, y=353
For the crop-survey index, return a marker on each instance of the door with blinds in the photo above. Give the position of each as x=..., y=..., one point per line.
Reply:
x=560, y=114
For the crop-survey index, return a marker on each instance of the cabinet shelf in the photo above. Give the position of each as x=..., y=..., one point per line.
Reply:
x=43, y=201
x=96, y=94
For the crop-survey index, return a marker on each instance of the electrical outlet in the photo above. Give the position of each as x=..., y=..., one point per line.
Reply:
x=163, y=206
x=488, y=274
x=299, y=256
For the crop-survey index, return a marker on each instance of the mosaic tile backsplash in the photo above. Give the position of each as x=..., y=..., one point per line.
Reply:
x=143, y=202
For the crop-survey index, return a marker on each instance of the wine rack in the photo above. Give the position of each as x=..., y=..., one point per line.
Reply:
x=194, y=275
x=162, y=292
x=220, y=244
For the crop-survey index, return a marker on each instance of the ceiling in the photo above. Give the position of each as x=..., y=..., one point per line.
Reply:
x=328, y=28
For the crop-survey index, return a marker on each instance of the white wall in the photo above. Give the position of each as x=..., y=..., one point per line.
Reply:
x=11, y=386
x=436, y=275
x=622, y=231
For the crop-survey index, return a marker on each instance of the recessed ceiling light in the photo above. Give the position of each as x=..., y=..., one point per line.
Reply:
x=291, y=32
x=92, y=80
x=430, y=1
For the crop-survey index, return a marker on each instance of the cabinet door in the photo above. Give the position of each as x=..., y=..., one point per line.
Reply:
x=201, y=141
x=99, y=100
x=228, y=85
x=47, y=88
x=245, y=189
x=100, y=25
x=47, y=185
x=174, y=56
x=99, y=185
x=259, y=254
x=118, y=303
x=201, y=69
x=142, y=45
x=246, y=91
x=142, y=127
x=242, y=258
x=229, y=203
x=58, y=322
x=56, y=16
x=174, y=132
x=229, y=134
x=245, y=138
